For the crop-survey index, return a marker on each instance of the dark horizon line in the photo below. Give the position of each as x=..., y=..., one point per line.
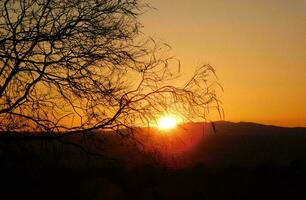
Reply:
x=243, y=122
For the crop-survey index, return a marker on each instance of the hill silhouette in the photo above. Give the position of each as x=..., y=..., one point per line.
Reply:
x=217, y=145
x=223, y=160
x=248, y=144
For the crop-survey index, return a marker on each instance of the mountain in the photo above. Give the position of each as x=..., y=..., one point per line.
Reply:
x=223, y=160
x=216, y=145
x=247, y=144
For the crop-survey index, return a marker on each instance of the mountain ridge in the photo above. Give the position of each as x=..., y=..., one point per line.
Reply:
x=218, y=144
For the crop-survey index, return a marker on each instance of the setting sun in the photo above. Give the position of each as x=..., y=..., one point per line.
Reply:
x=167, y=122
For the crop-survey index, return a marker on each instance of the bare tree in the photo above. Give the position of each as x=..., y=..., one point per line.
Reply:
x=70, y=66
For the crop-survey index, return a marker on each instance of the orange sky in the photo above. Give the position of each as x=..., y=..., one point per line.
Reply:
x=257, y=47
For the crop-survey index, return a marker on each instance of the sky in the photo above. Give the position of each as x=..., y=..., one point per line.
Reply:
x=258, y=49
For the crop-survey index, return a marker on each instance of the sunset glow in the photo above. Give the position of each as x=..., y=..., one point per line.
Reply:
x=244, y=42
x=167, y=122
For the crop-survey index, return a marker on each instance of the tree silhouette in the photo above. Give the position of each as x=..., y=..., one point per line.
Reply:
x=70, y=66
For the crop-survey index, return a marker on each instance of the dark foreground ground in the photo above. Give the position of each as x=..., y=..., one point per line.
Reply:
x=243, y=161
x=263, y=182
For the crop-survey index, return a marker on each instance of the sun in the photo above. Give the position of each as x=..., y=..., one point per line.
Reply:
x=167, y=122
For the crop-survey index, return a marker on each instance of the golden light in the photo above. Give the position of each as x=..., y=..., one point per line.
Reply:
x=167, y=122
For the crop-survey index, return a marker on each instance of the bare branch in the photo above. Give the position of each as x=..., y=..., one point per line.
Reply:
x=71, y=66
